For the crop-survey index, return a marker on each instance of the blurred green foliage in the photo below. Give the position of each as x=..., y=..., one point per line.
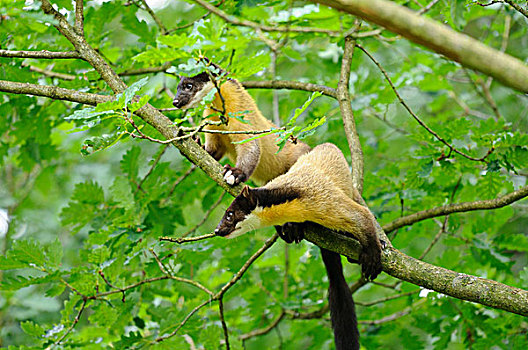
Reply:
x=77, y=215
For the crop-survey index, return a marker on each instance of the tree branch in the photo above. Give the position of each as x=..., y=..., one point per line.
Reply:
x=457, y=208
x=343, y=97
x=441, y=39
x=53, y=92
x=290, y=85
x=457, y=285
x=79, y=17
x=45, y=54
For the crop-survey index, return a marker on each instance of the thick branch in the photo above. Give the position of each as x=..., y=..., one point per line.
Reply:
x=290, y=85
x=457, y=285
x=79, y=17
x=39, y=54
x=53, y=92
x=457, y=208
x=439, y=38
x=343, y=97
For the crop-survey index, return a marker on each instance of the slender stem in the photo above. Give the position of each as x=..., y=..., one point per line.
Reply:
x=457, y=208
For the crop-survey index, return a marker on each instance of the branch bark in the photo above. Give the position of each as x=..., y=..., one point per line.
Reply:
x=343, y=97
x=441, y=39
x=290, y=85
x=457, y=208
x=45, y=54
x=53, y=92
x=403, y=267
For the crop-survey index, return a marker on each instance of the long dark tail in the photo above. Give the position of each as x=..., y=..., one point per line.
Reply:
x=342, y=309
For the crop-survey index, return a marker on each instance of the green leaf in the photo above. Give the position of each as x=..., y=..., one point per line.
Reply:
x=130, y=162
x=32, y=329
x=122, y=193
x=306, y=104
x=29, y=252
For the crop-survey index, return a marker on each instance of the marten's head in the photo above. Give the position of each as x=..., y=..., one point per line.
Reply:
x=240, y=217
x=192, y=90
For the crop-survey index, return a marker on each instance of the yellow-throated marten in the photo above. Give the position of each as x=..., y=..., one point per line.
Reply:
x=257, y=159
x=318, y=188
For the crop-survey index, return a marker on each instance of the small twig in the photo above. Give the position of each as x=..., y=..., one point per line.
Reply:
x=190, y=24
x=75, y=321
x=181, y=240
x=290, y=85
x=235, y=132
x=51, y=74
x=146, y=70
x=181, y=178
x=265, y=330
x=392, y=297
x=466, y=108
x=111, y=285
x=444, y=224
x=246, y=266
x=206, y=215
x=394, y=316
x=156, y=161
x=427, y=7
x=422, y=123
x=150, y=280
x=512, y=3
x=147, y=8
x=161, y=266
x=171, y=334
x=224, y=324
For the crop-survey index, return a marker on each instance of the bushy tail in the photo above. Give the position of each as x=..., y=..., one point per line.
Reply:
x=342, y=309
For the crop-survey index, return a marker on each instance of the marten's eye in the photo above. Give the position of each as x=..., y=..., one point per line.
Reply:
x=188, y=86
x=229, y=216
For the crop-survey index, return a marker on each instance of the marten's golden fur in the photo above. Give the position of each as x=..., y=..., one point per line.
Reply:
x=270, y=164
x=317, y=188
x=257, y=159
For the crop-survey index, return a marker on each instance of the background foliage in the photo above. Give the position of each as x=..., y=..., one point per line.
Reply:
x=87, y=203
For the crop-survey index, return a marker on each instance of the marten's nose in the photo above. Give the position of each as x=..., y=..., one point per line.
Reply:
x=176, y=103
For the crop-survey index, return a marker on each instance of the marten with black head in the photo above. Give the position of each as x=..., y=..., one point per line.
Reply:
x=258, y=159
x=318, y=188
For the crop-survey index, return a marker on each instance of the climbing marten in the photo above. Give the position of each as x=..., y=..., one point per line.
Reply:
x=318, y=188
x=257, y=159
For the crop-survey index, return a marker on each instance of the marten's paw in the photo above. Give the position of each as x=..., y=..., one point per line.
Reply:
x=233, y=176
x=370, y=260
x=291, y=232
x=198, y=140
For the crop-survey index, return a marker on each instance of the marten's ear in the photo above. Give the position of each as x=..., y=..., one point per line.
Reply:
x=245, y=192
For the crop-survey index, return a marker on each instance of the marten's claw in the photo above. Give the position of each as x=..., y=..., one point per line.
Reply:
x=370, y=260
x=291, y=232
x=233, y=176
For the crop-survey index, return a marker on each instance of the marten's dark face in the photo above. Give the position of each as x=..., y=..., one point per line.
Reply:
x=239, y=218
x=192, y=90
